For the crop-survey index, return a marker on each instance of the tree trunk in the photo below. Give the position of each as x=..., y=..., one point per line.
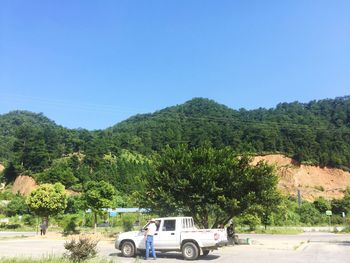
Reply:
x=95, y=225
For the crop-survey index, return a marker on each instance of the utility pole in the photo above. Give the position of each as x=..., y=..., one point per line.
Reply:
x=299, y=199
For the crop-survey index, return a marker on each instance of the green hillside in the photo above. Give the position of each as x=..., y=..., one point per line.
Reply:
x=317, y=132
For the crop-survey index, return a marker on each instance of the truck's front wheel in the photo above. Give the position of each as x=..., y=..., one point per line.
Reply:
x=190, y=251
x=128, y=249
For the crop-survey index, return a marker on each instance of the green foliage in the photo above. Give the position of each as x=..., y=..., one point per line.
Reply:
x=346, y=229
x=70, y=224
x=10, y=226
x=10, y=173
x=29, y=220
x=341, y=205
x=17, y=206
x=59, y=171
x=127, y=222
x=322, y=205
x=316, y=132
x=309, y=215
x=208, y=183
x=48, y=200
x=98, y=195
x=251, y=220
x=82, y=249
x=286, y=214
x=74, y=204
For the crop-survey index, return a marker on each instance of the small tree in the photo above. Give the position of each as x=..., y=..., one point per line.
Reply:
x=47, y=200
x=98, y=195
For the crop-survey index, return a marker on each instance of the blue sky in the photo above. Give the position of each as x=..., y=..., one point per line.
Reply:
x=92, y=64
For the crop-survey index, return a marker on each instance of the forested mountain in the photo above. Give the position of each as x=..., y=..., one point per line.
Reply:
x=317, y=132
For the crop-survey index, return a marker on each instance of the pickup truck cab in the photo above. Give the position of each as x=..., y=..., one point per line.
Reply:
x=173, y=234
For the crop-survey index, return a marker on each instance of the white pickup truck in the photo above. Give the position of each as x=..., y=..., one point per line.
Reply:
x=174, y=234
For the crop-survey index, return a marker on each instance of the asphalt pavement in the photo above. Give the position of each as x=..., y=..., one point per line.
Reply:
x=302, y=248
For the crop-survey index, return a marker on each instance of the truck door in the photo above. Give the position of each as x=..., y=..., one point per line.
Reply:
x=142, y=244
x=168, y=237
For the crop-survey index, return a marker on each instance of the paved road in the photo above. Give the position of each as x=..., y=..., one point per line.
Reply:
x=304, y=248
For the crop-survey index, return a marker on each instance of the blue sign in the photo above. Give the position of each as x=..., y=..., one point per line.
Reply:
x=113, y=214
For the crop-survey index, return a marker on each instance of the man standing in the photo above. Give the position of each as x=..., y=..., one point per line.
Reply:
x=151, y=230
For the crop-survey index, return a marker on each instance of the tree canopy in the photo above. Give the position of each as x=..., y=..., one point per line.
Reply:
x=48, y=200
x=98, y=195
x=208, y=183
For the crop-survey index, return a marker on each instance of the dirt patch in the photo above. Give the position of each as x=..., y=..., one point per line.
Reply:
x=24, y=185
x=1, y=168
x=312, y=181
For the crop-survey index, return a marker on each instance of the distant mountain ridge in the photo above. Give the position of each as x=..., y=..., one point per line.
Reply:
x=317, y=132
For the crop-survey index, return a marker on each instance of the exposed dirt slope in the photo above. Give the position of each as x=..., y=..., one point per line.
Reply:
x=312, y=181
x=1, y=168
x=24, y=185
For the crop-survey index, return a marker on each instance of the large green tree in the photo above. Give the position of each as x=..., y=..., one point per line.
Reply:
x=98, y=195
x=212, y=185
x=48, y=200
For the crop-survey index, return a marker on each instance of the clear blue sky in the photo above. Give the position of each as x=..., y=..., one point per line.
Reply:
x=92, y=64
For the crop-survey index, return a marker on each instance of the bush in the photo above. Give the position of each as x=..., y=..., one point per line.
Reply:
x=309, y=215
x=127, y=222
x=70, y=224
x=29, y=220
x=82, y=249
x=346, y=229
x=337, y=220
x=10, y=226
x=252, y=220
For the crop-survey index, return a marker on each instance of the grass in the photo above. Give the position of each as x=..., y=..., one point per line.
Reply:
x=51, y=259
x=275, y=230
x=346, y=229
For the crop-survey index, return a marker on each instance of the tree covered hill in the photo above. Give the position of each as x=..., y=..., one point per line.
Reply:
x=317, y=132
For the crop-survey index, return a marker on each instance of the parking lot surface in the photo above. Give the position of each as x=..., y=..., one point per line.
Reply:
x=307, y=247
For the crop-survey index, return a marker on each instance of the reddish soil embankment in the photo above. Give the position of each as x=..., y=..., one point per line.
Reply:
x=312, y=181
x=24, y=185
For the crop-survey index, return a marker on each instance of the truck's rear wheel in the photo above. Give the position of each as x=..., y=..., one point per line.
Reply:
x=190, y=251
x=128, y=249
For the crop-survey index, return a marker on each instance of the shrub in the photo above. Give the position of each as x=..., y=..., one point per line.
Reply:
x=251, y=220
x=346, y=229
x=11, y=226
x=127, y=222
x=82, y=249
x=70, y=224
x=29, y=220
